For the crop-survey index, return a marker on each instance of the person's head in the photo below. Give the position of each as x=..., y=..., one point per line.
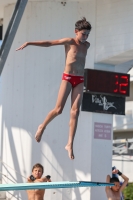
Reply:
x=37, y=170
x=82, y=29
x=117, y=185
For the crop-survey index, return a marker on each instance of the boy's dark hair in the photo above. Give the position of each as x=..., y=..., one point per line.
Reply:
x=114, y=179
x=83, y=24
x=36, y=166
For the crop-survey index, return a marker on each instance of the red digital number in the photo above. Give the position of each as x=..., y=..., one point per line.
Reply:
x=123, y=85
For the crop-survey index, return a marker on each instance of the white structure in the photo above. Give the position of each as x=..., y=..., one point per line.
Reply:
x=29, y=86
x=123, y=131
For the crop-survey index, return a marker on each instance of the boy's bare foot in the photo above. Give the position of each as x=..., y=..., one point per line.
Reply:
x=39, y=133
x=70, y=151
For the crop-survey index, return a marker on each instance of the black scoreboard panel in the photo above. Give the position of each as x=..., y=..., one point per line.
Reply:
x=106, y=82
x=103, y=103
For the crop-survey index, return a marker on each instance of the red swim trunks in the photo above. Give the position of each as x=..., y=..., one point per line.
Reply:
x=74, y=80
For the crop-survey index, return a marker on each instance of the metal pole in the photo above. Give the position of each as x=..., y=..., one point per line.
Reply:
x=11, y=31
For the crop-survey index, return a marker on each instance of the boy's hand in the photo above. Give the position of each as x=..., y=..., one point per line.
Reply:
x=48, y=176
x=23, y=46
x=28, y=179
x=31, y=178
x=115, y=171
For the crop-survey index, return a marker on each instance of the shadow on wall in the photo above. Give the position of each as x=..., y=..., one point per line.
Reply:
x=19, y=146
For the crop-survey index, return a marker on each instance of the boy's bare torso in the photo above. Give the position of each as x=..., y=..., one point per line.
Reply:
x=75, y=57
x=35, y=194
x=113, y=195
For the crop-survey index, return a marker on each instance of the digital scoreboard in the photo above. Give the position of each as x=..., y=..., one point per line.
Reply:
x=106, y=82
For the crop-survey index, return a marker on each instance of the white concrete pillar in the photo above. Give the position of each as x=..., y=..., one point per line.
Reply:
x=101, y=151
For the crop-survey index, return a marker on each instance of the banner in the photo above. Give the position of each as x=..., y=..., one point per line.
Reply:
x=102, y=103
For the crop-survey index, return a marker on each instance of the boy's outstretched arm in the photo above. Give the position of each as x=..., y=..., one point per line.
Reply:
x=63, y=41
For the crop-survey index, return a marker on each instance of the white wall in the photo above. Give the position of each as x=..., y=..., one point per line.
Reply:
x=114, y=33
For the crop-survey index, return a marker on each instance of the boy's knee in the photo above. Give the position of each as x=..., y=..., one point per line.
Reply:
x=58, y=110
x=74, y=112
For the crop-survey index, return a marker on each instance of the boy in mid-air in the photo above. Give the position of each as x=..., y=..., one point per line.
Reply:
x=37, y=172
x=72, y=79
x=115, y=192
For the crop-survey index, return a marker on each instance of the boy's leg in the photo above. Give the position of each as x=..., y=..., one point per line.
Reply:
x=64, y=91
x=76, y=99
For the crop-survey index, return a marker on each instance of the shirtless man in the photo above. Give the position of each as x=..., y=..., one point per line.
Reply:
x=37, y=172
x=114, y=192
x=72, y=79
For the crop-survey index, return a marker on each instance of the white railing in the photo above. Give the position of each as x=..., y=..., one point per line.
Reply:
x=122, y=146
x=124, y=122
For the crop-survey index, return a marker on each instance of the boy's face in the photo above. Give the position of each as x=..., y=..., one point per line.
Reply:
x=116, y=187
x=82, y=35
x=37, y=172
